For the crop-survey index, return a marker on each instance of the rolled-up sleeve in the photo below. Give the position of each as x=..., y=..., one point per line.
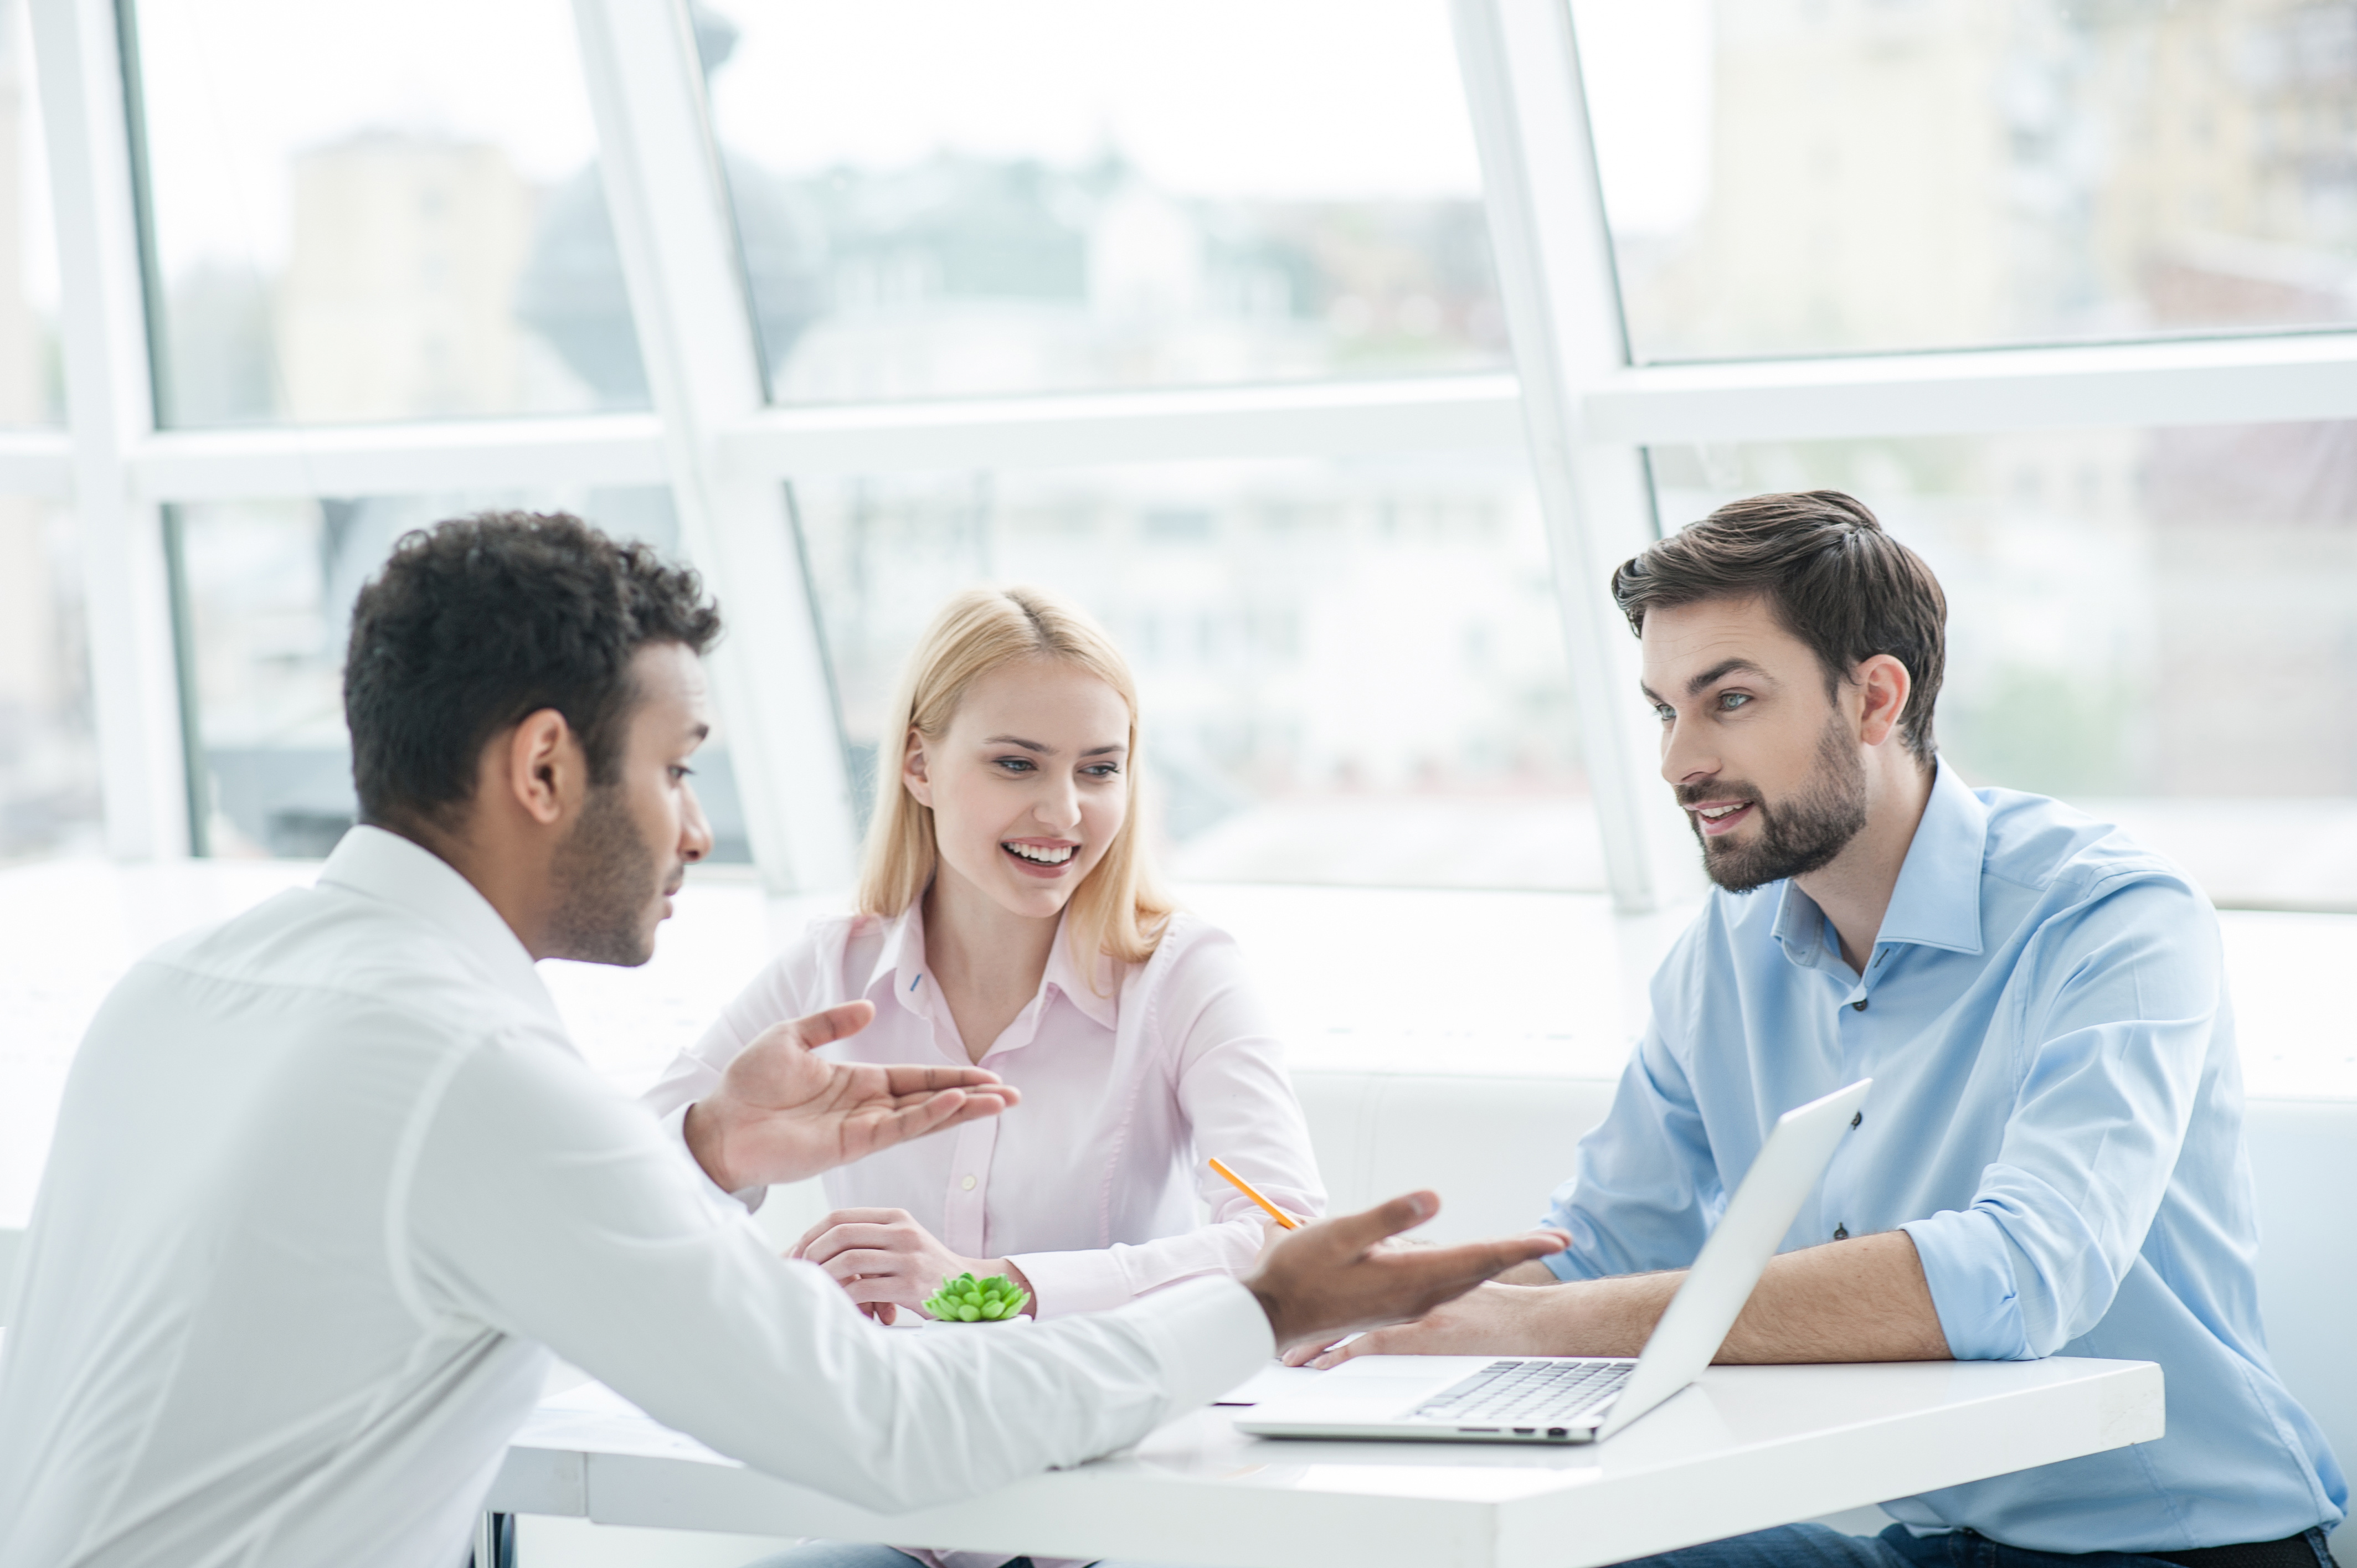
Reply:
x=2118, y=996
x=1644, y=1187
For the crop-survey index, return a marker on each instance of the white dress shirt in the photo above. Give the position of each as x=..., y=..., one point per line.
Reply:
x=1129, y=1080
x=329, y=1185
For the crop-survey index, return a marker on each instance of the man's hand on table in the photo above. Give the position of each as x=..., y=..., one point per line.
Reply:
x=1863, y=1299
x=1493, y=1319
x=783, y=1112
x=1336, y=1277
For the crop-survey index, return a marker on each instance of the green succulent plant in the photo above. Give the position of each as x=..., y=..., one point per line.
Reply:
x=964, y=1299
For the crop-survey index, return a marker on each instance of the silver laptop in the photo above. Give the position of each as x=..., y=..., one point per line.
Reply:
x=1562, y=1399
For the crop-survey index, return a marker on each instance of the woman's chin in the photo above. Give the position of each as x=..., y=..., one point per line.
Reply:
x=1039, y=903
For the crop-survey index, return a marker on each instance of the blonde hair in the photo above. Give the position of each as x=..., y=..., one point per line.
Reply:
x=1120, y=908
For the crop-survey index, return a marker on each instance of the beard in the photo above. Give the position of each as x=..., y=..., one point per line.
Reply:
x=1796, y=836
x=604, y=877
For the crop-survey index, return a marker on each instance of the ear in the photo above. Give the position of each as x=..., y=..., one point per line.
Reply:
x=913, y=776
x=541, y=765
x=1882, y=685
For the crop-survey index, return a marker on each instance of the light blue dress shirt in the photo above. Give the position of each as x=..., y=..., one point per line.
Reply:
x=2056, y=1119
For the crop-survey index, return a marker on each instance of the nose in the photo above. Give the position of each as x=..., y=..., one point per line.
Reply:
x=695, y=832
x=1686, y=758
x=1060, y=805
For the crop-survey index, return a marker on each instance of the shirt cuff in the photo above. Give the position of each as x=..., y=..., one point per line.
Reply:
x=1065, y=1283
x=1968, y=1265
x=1208, y=1337
x=674, y=1126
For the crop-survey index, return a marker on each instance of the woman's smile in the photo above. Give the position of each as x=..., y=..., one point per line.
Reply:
x=1045, y=858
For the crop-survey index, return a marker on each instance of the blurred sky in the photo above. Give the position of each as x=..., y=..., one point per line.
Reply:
x=1342, y=99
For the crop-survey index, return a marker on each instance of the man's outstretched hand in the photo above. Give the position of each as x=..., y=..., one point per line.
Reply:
x=782, y=1112
x=1324, y=1281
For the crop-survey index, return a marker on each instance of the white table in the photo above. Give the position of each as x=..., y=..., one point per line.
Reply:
x=1744, y=1448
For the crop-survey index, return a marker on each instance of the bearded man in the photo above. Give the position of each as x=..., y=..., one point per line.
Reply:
x=2052, y=1158
x=330, y=1182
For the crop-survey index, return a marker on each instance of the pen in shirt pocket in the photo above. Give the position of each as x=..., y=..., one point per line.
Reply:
x=1279, y=1215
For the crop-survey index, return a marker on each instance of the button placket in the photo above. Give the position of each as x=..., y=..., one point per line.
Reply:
x=965, y=1206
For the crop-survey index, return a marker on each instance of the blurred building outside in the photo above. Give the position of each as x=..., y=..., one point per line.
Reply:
x=1352, y=676
x=2161, y=625
x=2141, y=618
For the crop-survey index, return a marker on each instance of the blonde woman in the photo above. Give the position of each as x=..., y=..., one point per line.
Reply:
x=1008, y=916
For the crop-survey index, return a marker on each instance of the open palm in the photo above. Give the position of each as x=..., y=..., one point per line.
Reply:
x=783, y=1112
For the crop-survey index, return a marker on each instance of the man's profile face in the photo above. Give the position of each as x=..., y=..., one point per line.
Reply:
x=628, y=851
x=1765, y=764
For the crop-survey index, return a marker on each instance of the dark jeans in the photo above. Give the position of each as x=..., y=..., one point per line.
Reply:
x=1816, y=1546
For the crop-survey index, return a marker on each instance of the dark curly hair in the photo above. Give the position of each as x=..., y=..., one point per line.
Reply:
x=474, y=624
x=1833, y=576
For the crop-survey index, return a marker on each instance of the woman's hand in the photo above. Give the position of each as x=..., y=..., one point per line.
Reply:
x=887, y=1261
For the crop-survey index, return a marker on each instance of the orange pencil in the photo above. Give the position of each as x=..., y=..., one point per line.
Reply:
x=1279, y=1215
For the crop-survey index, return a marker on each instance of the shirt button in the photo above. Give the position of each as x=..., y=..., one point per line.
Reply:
x=967, y=1184
x=1858, y=1005
x=1841, y=1232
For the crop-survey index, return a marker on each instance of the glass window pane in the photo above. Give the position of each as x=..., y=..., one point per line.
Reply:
x=2158, y=626
x=1818, y=176
x=1351, y=673
x=369, y=212
x=31, y=390
x=48, y=746
x=1074, y=194
x=266, y=589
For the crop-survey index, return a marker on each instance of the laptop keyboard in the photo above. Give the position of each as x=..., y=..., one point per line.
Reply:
x=1527, y=1394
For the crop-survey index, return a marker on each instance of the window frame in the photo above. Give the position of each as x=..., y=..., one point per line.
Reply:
x=1583, y=413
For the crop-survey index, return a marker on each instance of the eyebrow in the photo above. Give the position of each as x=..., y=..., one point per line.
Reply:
x=1721, y=670
x=1043, y=750
x=1713, y=676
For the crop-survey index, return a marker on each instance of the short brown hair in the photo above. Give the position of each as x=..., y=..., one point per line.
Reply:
x=1830, y=573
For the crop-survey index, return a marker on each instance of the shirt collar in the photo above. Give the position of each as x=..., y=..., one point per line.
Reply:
x=900, y=965
x=1064, y=974
x=397, y=871
x=1936, y=901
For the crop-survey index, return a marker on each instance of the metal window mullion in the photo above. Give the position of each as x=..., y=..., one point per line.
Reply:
x=399, y=460
x=1320, y=419
x=1555, y=276
x=109, y=405
x=670, y=209
x=2250, y=380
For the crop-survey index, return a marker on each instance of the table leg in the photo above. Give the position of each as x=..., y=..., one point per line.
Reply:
x=495, y=1542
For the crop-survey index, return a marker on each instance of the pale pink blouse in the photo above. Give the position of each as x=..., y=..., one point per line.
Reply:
x=1088, y=1184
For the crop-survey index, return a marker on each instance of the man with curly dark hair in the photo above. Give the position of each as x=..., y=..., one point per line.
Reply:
x=330, y=1183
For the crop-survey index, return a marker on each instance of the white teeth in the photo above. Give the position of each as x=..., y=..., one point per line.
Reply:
x=1042, y=854
x=1715, y=812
